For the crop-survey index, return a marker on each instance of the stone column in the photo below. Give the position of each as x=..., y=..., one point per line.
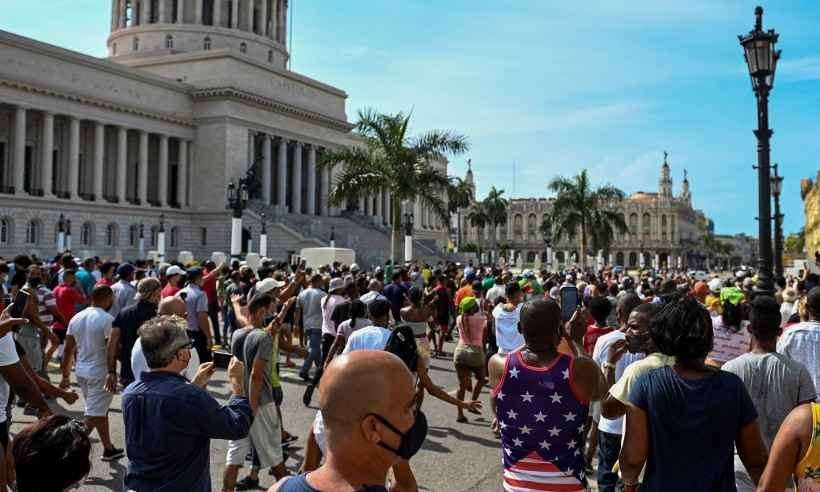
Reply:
x=282, y=175
x=99, y=153
x=311, y=179
x=18, y=169
x=46, y=173
x=263, y=21
x=182, y=173
x=122, y=20
x=284, y=21
x=198, y=11
x=369, y=206
x=266, y=169
x=250, y=15
x=122, y=157
x=163, y=171
x=218, y=13
x=388, y=216
x=274, y=19
x=142, y=169
x=379, y=204
x=115, y=11
x=325, y=191
x=73, y=157
x=163, y=11
x=235, y=14
x=362, y=205
x=145, y=11
x=296, y=179
x=180, y=12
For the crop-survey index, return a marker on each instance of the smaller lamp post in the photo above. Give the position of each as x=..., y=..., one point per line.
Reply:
x=263, y=237
x=142, y=241
x=777, y=187
x=61, y=234
x=161, y=239
x=408, y=236
x=237, y=197
x=68, y=234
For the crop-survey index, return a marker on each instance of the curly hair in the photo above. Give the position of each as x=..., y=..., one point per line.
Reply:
x=51, y=454
x=683, y=328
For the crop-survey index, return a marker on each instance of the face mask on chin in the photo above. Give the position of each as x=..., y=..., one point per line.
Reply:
x=637, y=343
x=411, y=440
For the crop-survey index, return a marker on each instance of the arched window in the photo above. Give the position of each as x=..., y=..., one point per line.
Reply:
x=5, y=230
x=270, y=56
x=518, y=227
x=206, y=45
x=87, y=234
x=532, y=228
x=169, y=42
x=619, y=259
x=633, y=259
x=174, y=237
x=203, y=236
x=633, y=224
x=559, y=257
x=154, y=235
x=111, y=238
x=33, y=232
x=663, y=227
x=133, y=234
x=136, y=44
x=531, y=257
x=243, y=48
x=647, y=224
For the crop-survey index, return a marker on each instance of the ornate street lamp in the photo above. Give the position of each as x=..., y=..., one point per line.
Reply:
x=408, y=236
x=161, y=238
x=263, y=237
x=761, y=58
x=61, y=234
x=777, y=187
x=237, y=197
x=68, y=234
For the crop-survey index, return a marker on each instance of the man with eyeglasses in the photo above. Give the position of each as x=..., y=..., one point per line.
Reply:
x=169, y=422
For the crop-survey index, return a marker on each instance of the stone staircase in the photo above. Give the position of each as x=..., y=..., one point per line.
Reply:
x=291, y=232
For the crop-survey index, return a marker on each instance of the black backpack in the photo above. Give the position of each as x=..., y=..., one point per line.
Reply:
x=402, y=343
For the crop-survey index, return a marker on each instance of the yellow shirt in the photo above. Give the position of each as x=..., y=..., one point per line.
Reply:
x=620, y=390
x=807, y=472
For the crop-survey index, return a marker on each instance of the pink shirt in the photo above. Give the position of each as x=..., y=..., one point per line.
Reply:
x=328, y=326
x=472, y=332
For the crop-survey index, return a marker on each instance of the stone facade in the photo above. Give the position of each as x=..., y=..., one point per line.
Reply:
x=810, y=192
x=194, y=95
x=664, y=230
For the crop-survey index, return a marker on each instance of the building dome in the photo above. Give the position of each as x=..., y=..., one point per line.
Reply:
x=151, y=28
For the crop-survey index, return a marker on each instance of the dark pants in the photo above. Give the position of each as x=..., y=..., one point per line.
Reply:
x=327, y=342
x=201, y=346
x=609, y=447
x=213, y=313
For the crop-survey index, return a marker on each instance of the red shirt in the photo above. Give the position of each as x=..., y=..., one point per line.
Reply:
x=209, y=285
x=67, y=299
x=592, y=335
x=169, y=290
x=105, y=281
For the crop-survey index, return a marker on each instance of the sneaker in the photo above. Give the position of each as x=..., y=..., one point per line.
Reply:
x=308, y=395
x=247, y=483
x=112, y=454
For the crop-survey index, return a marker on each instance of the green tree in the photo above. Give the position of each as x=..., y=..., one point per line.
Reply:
x=580, y=209
x=459, y=195
x=796, y=243
x=396, y=162
x=478, y=216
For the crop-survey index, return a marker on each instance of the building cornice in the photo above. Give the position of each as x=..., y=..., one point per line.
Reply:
x=233, y=94
x=91, y=101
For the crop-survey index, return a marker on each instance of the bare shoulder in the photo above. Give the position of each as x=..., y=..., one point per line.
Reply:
x=799, y=422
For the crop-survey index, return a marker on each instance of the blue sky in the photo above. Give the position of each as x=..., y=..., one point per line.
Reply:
x=552, y=87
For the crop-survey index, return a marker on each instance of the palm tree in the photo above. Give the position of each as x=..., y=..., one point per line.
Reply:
x=478, y=216
x=459, y=196
x=580, y=209
x=391, y=160
x=496, y=206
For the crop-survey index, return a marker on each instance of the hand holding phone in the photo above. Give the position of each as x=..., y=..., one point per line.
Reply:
x=18, y=307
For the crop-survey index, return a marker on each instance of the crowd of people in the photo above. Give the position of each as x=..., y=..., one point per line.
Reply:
x=648, y=381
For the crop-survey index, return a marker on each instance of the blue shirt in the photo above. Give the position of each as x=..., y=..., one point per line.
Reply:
x=168, y=427
x=299, y=484
x=693, y=424
x=395, y=294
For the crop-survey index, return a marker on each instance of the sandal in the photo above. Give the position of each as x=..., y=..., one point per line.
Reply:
x=462, y=419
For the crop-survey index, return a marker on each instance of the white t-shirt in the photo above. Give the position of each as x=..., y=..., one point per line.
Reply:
x=346, y=329
x=370, y=338
x=494, y=293
x=801, y=342
x=8, y=357
x=600, y=355
x=91, y=327
x=139, y=365
x=507, y=336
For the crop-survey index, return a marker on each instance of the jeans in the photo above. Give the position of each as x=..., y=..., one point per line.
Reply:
x=315, y=352
x=213, y=313
x=609, y=447
x=327, y=342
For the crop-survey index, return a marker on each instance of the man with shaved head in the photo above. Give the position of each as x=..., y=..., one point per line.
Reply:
x=368, y=434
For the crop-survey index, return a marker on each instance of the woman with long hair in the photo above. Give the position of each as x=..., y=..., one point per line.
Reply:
x=469, y=357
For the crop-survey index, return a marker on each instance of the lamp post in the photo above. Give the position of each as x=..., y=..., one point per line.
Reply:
x=237, y=201
x=142, y=241
x=408, y=237
x=263, y=237
x=332, y=236
x=777, y=187
x=761, y=58
x=161, y=239
x=61, y=234
x=68, y=234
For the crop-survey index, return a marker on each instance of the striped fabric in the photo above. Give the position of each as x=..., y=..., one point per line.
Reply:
x=534, y=474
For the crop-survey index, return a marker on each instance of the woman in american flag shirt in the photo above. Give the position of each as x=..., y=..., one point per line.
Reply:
x=541, y=401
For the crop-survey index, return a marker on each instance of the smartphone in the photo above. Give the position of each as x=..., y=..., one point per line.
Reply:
x=569, y=301
x=18, y=307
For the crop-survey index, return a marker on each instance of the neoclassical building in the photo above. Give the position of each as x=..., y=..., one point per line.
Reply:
x=664, y=230
x=194, y=94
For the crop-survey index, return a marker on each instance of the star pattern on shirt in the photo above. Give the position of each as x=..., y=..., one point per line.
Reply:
x=565, y=373
x=572, y=444
x=581, y=429
x=514, y=372
x=556, y=398
x=525, y=430
x=512, y=414
x=517, y=442
x=540, y=417
x=570, y=417
x=500, y=396
x=527, y=397
x=554, y=431
x=544, y=444
x=502, y=424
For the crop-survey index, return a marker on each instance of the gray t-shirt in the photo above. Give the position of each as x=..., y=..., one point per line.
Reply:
x=196, y=301
x=310, y=302
x=776, y=384
x=238, y=342
x=259, y=345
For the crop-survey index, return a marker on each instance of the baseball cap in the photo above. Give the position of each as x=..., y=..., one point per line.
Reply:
x=715, y=285
x=336, y=284
x=173, y=270
x=268, y=285
x=354, y=268
x=194, y=272
x=125, y=270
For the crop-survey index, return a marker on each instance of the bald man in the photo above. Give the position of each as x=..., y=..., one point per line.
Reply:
x=368, y=434
x=172, y=306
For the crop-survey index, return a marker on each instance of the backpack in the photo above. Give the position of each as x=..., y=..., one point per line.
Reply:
x=402, y=343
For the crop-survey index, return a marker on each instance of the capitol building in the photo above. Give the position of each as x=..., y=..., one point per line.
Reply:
x=194, y=95
x=664, y=230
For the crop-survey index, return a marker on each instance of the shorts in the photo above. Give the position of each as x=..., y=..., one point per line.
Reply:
x=97, y=400
x=469, y=356
x=266, y=436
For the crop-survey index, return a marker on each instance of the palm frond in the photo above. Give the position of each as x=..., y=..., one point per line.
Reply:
x=437, y=142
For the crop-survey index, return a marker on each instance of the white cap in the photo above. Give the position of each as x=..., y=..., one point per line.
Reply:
x=173, y=270
x=336, y=284
x=715, y=285
x=354, y=268
x=267, y=285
